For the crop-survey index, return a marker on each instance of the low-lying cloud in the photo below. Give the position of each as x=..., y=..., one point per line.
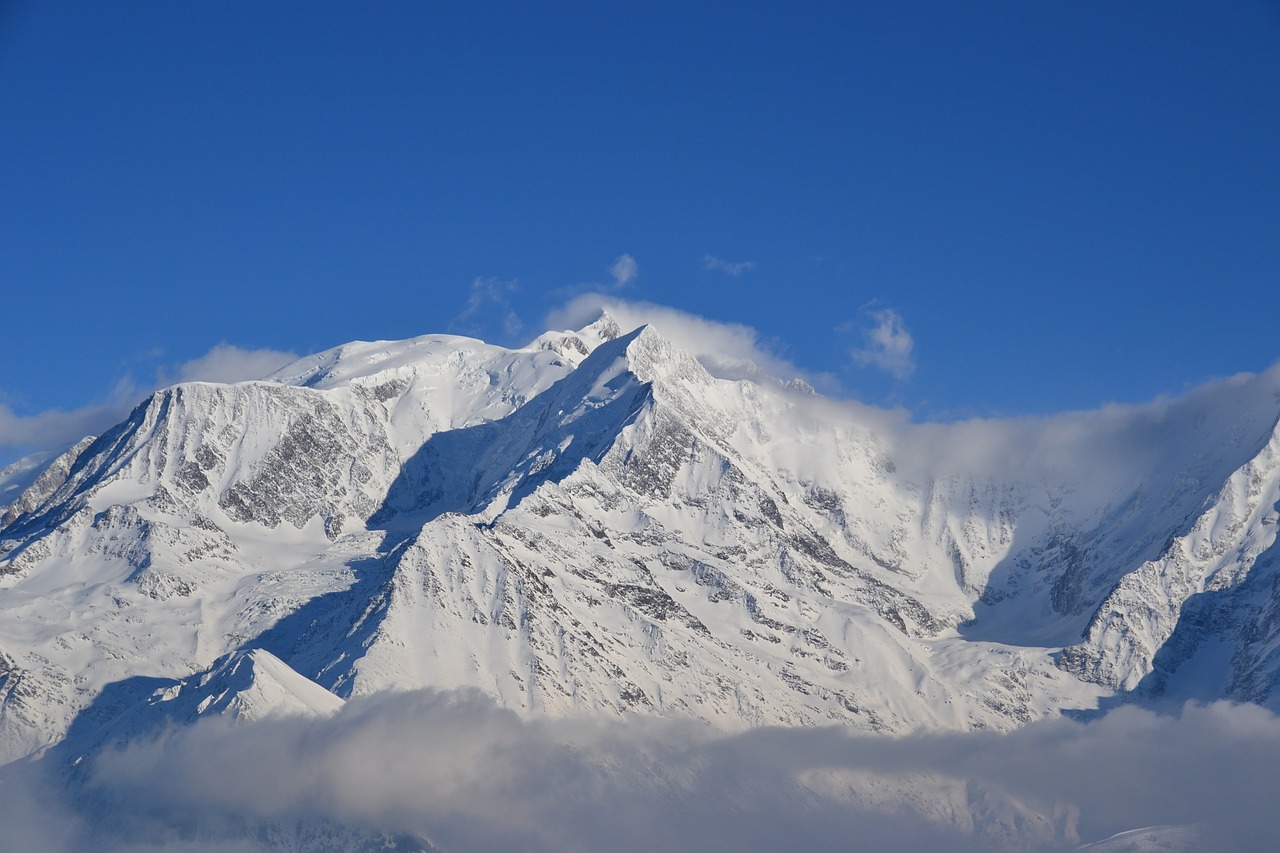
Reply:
x=456, y=770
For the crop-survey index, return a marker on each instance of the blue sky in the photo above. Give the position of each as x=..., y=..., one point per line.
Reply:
x=962, y=209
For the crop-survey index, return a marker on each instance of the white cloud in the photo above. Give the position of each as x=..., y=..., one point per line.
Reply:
x=456, y=769
x=727, y=350
x=58, y=428
x=624, y=271
x=733, y=268
x=229, y=363
x=887, y=345
x=1201, y=436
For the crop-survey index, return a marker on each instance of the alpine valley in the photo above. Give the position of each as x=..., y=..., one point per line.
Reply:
x=602, y=525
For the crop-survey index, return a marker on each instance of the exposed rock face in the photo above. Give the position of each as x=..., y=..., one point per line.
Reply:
x=596, y=523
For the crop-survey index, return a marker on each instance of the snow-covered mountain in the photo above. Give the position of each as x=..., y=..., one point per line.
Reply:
x=597, y=523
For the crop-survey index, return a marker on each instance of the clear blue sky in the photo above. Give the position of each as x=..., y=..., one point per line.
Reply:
x=1061, y=203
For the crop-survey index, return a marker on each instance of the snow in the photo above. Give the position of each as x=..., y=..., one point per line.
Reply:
x=596, y=523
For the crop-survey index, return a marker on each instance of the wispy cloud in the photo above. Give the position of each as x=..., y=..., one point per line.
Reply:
x=59, y=428
x=490, y=297
x=56, y=428
x=733, y=268
x=624, y=271
x=887, y=345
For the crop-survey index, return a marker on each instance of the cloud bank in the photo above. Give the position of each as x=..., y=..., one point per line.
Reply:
x=457, y=771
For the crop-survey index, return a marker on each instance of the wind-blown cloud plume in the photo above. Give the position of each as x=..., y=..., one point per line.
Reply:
x=1094, y=453
x=887, y=345
x=733, y=268
x=728, y=350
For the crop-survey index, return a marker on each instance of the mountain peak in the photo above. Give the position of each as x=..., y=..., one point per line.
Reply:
x=604, y=327
x=575, y=345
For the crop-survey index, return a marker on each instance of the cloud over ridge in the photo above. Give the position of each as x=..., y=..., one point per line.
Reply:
x=56, y=428
x=728, y=350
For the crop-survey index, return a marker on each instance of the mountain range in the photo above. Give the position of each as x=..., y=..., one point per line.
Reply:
x=602, y=524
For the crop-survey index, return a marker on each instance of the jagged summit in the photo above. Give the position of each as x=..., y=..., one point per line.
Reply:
x=576, y=345
x=594, y=523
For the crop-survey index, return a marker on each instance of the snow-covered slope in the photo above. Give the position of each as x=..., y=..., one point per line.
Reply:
x=596, y=523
